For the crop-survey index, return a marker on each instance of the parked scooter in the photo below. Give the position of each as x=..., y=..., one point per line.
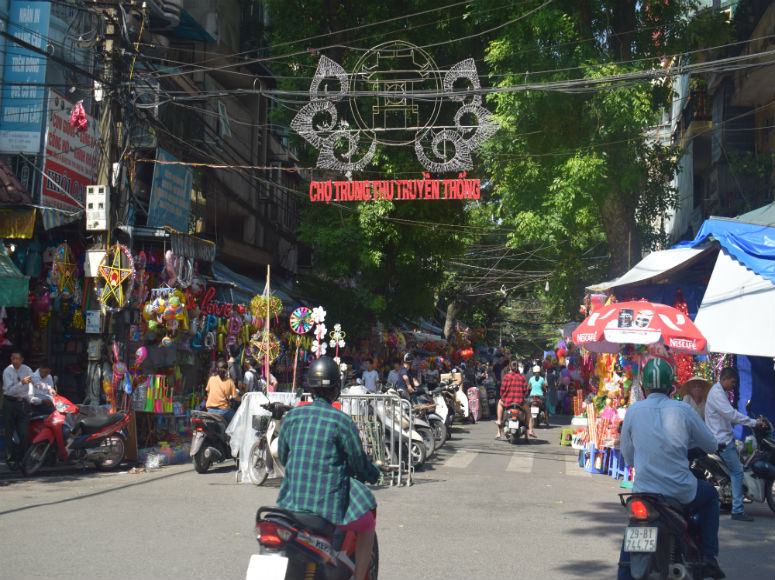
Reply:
x=516, y=424
x=758, y=469
x=661, y=539
x=264, y=455
x=210, y=443
x=303, y=545
x=66, y=435
x=434, y=412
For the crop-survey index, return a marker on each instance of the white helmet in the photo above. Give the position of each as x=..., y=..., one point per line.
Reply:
x=536, y=369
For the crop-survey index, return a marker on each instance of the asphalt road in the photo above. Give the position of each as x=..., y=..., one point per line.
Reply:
x=481, y=509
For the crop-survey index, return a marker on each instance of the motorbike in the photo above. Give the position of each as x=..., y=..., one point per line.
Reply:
x=516, y=424
x=303, y=545
x=264, y=456
x=758, y=470
x=424, y=409
x=538, y=410
x=661, y=539
x=68, y=435
x=209, y=443
x=436, y=414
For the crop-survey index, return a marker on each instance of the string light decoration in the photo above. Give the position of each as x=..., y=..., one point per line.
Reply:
x=395, y=98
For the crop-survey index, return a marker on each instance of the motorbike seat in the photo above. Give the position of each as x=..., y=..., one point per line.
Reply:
x=206, y=415
x=94, y=424
x=309, y=521
x=36, y=416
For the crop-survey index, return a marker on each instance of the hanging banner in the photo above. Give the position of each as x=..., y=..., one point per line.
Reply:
x=17, y=223
x=170, y=194
x=396, y=189
x=22, y=106
x=70, y=162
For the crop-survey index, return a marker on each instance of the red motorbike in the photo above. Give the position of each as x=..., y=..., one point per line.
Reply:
x=67, y=435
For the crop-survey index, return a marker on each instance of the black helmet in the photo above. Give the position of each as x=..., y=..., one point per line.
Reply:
x=323, y=373
x=409, y=357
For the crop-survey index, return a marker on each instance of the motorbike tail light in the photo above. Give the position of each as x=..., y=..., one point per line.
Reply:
x=273, y=535
x=641, y=510
x=200, y=428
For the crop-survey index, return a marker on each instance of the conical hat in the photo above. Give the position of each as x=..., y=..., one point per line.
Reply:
x=689, y=385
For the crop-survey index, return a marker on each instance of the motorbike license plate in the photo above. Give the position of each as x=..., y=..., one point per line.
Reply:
x=513, y=424
x=637, y=539
x=267, y=567
x=534, y=410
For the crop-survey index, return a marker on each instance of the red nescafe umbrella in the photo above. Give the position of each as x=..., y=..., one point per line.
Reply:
x=639, y=322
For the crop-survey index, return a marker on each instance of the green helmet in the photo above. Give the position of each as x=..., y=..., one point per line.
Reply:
x=657, y=375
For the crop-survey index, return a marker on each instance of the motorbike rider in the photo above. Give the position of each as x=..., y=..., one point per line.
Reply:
x=513, y=389
x=719, y=417
x=220, y=391
x=657, y=434
x=406, y=380
x=42, y=399
x=537, y=385
x=322, y=453
x=17, y=390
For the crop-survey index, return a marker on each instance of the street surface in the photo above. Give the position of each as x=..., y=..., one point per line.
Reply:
x=480, y=509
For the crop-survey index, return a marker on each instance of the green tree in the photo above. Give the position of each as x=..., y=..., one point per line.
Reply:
x=575, y=167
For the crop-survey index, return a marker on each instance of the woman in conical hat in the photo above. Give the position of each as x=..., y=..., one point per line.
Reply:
x=695, y=391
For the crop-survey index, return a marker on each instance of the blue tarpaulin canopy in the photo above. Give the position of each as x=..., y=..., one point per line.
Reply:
x=753, y=245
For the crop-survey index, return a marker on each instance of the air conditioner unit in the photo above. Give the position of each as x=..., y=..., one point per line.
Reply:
x=97, y=207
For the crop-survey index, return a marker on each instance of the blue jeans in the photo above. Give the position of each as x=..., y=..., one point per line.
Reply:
x=227, y=413
x=730, y=457
x=705, y=507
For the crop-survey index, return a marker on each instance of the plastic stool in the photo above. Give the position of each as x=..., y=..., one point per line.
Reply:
x=616, y=467
x=566, y=436
x=594, y=455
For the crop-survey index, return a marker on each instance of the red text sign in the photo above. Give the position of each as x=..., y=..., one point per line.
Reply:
x=396, y=190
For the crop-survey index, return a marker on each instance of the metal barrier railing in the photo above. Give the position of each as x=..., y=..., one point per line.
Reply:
x=385, y=424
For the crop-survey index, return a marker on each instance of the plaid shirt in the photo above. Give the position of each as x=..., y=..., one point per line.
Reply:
x=321, y=450
x=513, y=389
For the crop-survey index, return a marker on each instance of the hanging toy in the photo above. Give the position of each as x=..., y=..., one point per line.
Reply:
x=235, y=326
x=116, y=278
x=170, y=268
x=78, y=119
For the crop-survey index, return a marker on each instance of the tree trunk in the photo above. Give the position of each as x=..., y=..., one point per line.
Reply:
x=621, y=233
x=453, y=309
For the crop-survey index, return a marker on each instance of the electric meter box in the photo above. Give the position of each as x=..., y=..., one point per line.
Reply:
x=97, y=203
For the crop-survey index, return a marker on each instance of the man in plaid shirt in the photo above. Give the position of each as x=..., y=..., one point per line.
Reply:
x=322, y=453
x=513, y=391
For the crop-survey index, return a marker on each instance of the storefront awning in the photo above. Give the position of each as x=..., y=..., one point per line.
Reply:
x=737, y=313
x=14, y=286
x=655, y=266
x=249, y=286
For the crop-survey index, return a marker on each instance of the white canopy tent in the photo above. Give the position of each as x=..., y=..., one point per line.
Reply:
x=656, y=265
x=737, y=313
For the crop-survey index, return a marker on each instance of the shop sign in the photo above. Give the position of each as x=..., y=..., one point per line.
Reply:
x=22, y=106
x=93, y=322
x=70, y=163
x=170, y=194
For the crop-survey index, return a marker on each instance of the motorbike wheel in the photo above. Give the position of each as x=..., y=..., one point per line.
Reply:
x=116, y=456
x=374, y=562
x=257, y=463
x=439, y=432
x=418, y=453
x=429, y=441
x=201, y=463
x=35, y=457
x=768, y=493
